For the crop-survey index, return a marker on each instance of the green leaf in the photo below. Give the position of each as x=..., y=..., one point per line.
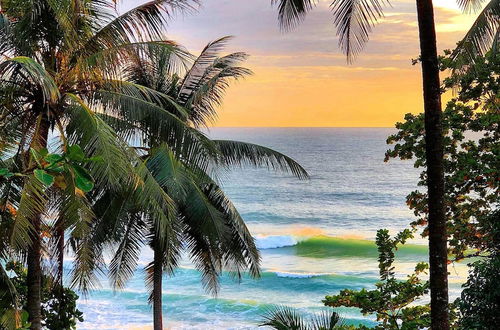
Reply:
x=36, y=156
x=44, y=177
x=57, y=169
x=84, y=184
x=43, y=152
x=53, y=158
x=83, y=180
x=5, y=172
x=75, y=153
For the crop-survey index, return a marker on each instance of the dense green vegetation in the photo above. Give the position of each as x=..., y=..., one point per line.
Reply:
x=472, y=156
x=59, y=309
x=391, y=299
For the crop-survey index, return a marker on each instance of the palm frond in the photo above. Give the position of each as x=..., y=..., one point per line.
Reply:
x=116, y=60
x=124, y=262
x=157, y=204
x=88, y=265
x=235, y=153
x=209, y=90
x=31, y=205
x=481, y=37
x=38, y=76
x=240, y=252
x=284, y=318
x=354, y=20
x=471, y=5
x=287, y=318
x=8, y=292
x=97, y=139
x=144, y=98
x=292, y=12
x=206, y=58
x=326, y=320
x=142, y=23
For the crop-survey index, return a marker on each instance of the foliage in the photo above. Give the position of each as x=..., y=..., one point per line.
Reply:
x=480, y=300
x=391, y=299
x=479, y=85
x=11, y=314
x=286, y=318
x=59, y=309
x=52, y=168
x=472, y=155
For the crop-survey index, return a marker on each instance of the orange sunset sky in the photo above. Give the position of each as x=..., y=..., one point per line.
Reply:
x=301, y=78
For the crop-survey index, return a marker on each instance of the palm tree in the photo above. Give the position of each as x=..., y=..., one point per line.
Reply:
x=354, y=20
x=59, y=75
x=206, y=224
x=286, y=318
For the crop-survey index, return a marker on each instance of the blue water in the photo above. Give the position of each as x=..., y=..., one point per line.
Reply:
x=314, y=235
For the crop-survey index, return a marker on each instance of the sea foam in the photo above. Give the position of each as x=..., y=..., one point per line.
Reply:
x=300, y=275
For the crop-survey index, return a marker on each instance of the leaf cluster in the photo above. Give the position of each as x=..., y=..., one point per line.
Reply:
x=471, y=159
x=59, y=310
x=391, y=300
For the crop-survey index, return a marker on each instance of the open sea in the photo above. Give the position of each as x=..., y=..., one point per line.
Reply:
x=316, y=237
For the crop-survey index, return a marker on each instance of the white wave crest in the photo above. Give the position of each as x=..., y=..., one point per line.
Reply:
x=299, y=275
x=275, y=241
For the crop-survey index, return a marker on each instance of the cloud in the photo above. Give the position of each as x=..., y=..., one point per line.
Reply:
x=301, y=78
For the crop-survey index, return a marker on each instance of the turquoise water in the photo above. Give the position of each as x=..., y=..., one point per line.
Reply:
x=316, y=236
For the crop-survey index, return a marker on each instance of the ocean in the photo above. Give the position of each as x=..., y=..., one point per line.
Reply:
x=316, y=236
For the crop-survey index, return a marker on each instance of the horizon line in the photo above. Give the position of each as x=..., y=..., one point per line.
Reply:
x=300, y=127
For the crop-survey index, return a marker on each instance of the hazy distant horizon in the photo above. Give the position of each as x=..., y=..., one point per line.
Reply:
x=210, y=127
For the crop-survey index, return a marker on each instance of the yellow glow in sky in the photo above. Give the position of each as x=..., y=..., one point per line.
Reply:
x=301, y=78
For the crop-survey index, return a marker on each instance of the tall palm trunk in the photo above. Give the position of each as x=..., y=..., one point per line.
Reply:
x=435, y=170
x=60, y=264
x=34, y=276
x=157, y=287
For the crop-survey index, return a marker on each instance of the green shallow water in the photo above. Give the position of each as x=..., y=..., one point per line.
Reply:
x=328, y=247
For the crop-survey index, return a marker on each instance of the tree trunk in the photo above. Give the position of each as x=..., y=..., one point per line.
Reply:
x=438, y=257
x=157, y=288
x=60, y=264
x=34, y=276
x=34, y=280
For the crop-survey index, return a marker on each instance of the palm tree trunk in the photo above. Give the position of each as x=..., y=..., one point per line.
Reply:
x=438, y=257
x=34, y=280
x=157, y=288
x=60, y=264
x=34, y=276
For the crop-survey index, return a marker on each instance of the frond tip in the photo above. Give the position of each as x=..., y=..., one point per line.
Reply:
x=236, y=153
x=483, y=35
x=354, y=20
x=285, y=318
x=292, y=12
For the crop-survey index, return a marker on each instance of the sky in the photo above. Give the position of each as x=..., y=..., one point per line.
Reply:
x=302, y=79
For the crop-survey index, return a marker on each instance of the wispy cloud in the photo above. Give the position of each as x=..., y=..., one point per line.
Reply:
x=303, y=71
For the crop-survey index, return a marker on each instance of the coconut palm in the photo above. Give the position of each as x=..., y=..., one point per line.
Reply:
x=207, y=225
x=354, y=20
x=60, y=77
x=286, y=318
x=482, y=36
